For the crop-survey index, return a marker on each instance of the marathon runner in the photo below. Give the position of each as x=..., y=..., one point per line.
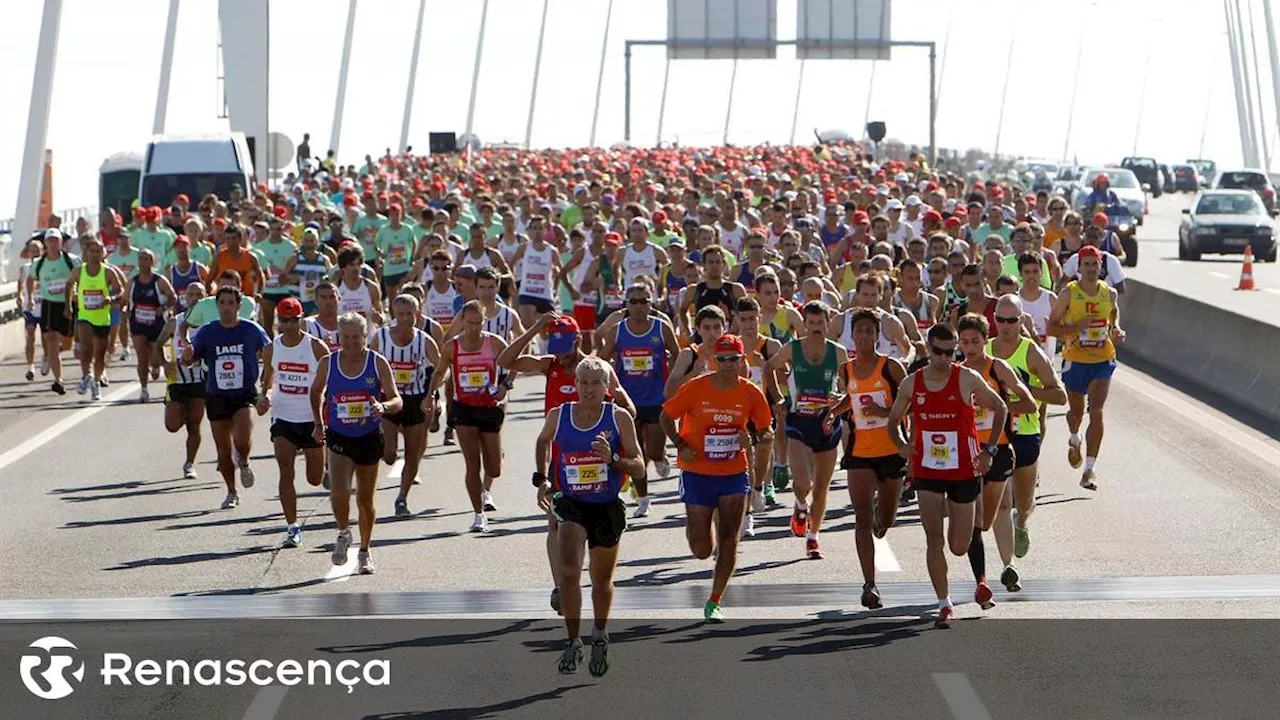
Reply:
x=946, y=463
x=289, y=367
x=352, y=392
x=149, y=296
x=357, y=293
x=479, y=404
x=642, y=349
x=183, y=270
x=1032, y=365
x=307, y=269
x=1087, y=317
x=592, y=444
x=231, y=350
x=758, y=351
x=277, y=254
x=814, y=430
x=875, y=469
x=538, y=277
x=185, y=385
x=236, y=257
x=97, y=287
x=49, y=278
x=29, y=304
x=869, y=293
x=125, y=260
x=708, y=420
x=413, y=356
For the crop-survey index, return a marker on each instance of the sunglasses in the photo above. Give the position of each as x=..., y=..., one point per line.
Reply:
x=288, y=319
x=941, y=351
x=638, y=301
x=727, y=358
x=1008, y=320
x=1073, y=222
x=440, y=268
x=755, y=247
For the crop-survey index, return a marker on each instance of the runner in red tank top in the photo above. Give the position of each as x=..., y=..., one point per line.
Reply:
x=560, y=368
x=947, y=465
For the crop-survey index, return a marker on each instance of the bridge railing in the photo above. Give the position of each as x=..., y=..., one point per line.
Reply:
x=10, y=246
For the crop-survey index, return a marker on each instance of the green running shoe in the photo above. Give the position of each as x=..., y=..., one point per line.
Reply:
x=1021, y=538
x=770, y=495
x=781, y=477
x=712, y=612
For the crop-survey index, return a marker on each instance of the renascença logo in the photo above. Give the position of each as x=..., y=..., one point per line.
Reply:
x=55, y=685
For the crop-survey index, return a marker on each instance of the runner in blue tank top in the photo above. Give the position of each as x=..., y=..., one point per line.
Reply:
x=353, y=389
x=591, y=444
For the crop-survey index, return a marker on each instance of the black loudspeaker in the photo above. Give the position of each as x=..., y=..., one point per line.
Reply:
x=442, y=142
x=875, y=131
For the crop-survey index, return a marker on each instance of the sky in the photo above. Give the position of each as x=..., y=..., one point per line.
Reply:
x=108, y=63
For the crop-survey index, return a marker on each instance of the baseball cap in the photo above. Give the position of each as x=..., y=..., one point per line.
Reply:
x=893, y=204
x=612, y=238
x=660, y=216
x=729, y=345
x=52, y=233
x=562, y=333
x=912, y=200
x=465, y=271
x=289, y=308
x=933, y=215
x=181, y=240
x=1100, y=219
x=952, y=222
x=1090, y=251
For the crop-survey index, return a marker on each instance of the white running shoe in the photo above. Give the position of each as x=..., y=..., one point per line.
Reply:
x=749, y=526
x=95, y=390
x=757, y=501
x=642, y=510
x=230, y=501
x=124, y=354
x=479, y=524
x=364, y=564
x=83, y=387
x=662, y=468
x=189, y=471
x=31, y=373
x=340, y=547
x=144, y=396
x=246, y=476
x=293, y=536
x=488, y=502
x=44, y=367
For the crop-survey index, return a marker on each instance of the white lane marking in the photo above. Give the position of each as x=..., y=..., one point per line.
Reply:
x=266, y=703
x=343, y=572
x=1205, y=420
x=1271, y=290
x=1215, y=273
x=886, y=561
x=38, y=440
x=961, y=698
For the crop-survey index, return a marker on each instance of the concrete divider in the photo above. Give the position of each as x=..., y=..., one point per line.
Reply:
x=1226, y=353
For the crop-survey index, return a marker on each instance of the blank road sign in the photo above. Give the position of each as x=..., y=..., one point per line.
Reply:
x=825, y=29
x=722, y=29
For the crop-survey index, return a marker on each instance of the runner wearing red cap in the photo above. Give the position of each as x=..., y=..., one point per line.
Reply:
x=707, y=420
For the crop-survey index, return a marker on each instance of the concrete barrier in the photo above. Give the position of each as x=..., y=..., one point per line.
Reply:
x=1226, y=353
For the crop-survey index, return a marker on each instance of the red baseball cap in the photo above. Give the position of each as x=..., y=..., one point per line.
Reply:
x=1089, y=251
x=860, y=218
x=612, y=239
x=952, y=222
x=289, y=308
x=729, y=344
x=181, y=199
x=933, y=215
x=660, y=216
x=1100, y=219
x=182, y=240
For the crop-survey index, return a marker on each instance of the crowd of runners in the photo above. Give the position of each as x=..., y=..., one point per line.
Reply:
x=765, y=316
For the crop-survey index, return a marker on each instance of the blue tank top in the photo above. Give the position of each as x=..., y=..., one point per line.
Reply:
x=641, y=362
x=746, y=276
x=180, y=281
x=350, y=399
x=580, y=472
x=830, y=238
x=145, y=302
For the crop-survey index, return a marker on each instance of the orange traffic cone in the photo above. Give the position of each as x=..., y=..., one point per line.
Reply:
x=1246, y=271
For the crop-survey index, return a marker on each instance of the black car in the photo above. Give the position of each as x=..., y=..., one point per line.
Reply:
x=1227, y=221
x=1148, y=172
x=1185, y=178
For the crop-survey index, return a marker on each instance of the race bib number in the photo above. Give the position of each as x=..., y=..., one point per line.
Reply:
x=474, y=380
x=983, y=419
x=94, y=300
x=637, y=361
x=613, y=298
x=404, y=373
x=397, y=255
x=810, y=403
x=230, y=373
x=757, y=375
x=353, y=410
x=941, y=450
x=146, y=314
x=273, y=278
x=584, y=469
x=307, y=288
x=352, y=304
x=1095, y=335
x=862, y=402
x=57, y=287
x=721, y=443
x=293, y=378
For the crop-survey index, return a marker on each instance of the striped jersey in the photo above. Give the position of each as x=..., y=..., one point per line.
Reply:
x=409, y=363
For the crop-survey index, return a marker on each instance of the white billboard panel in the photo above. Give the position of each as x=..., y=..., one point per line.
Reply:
x=739, y=29
x=822, y=26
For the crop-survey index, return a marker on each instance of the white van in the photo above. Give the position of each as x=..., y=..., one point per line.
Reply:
x=118, y=181
x=194, y=165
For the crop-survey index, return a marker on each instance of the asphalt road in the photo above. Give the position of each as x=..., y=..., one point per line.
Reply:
x=1213, y=278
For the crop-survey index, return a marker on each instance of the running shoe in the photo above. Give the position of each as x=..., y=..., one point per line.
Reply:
x=712, y=612
x=340, y=547
x=662, y=468
x=757, y=500
x=1021, y=537
x=364, y=564
x=324, y=481
x=1087, y=480
x=435, y=420
x=799, y=522
x=1010, y=579
x=943, y=621
x=571, y=657
x=246, y=475
x=124, y=354
x=642, y=509
x=189, y=471
x=31, y=373
x=877, y=528
x=58, y=388
x=599, y=664
x=749, y=526
x=770, y=495
x=488, y=502
x=230, y=501
x=1074, y=457
x=781, y=477
x=105, y=381
x=95, y=390
x=144, y=396
x=812, y=550
x=402, y=507
x=293, y=536
x=479, y=524
x=908, y=494
x=555, y=600
x=448, y=437
x=417, y=480
x=871, y=597
x=83, y=387
x=983, y=596
x=44, y=368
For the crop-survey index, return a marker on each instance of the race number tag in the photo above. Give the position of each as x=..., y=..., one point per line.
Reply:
x=273, y=277
x=353, y=408
x=94, y=300
x=863, y=421
x=397, y=255
x=474, y=379
x=1095, y=335
x=584, y=469
x=941, y=451
x=983, y=419
x=146, y=314
x=403, y=372
x=811, y=404
x=57, y=287
x=637, y=361
x=230, y=373
x=721, y=443
x=307, y=288
x=757, y=375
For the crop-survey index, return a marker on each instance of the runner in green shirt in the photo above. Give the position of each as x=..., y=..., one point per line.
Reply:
x=153, y=236
x=275, y=254
x=395, y=244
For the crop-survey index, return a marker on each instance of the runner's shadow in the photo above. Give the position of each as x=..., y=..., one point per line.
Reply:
x=76, y=524
x=253, y=590
x=659, y=576
x=842, y=635
x=191, y=558
x=142, y=493
x=629, y=634
x=428, y=641
x=483, y=711
x=240, y=520
x=126, y=485
x=1040, y=503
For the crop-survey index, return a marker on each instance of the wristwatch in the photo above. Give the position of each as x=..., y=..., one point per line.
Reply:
x=538, y=479
x=616, y=458
x=991, y=450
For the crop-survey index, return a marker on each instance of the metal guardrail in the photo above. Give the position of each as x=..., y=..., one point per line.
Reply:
x=8, y=251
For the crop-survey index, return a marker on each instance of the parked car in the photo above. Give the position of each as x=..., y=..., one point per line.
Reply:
x=1250, y=179
x=1226, y=221
x=1186, y=178
x=1148, y=172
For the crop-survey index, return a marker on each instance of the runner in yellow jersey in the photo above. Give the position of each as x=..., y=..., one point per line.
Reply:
x=1087, y=318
